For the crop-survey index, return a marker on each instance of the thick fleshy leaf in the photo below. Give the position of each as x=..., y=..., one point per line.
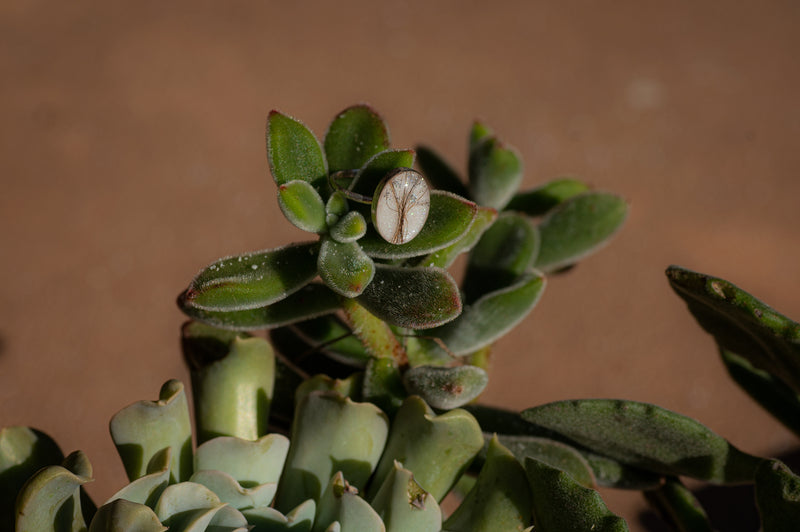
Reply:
x=491, y=316
x=303, y=206
x=192, y=507
x=349, y=387
x=778, y=497
x=449, y=219
x=294, y=153
x=250, y=463
x=349, y=228
x=376, y=168
x=540, y=200
x=148, y=488
x=340, y=503
x=251, y=280
x=23, y=452
x=344, y=267
x=234, y=494
x=495, y=172
x=478, y=133
x=439, y=173
x=415, y=298
x=383, y=385
x=500, y=499
x=647, y=436
x=334, y=338
x=742, y=324
x=311, y=301
x=446, y=388
x=436, y=449
x=443, y=258
x=300, y=519
x=560, y=503
x=578, y=227
x=375, y=335
x=355, y=135
x=768, y=391
x=336, y=207
x=403, y=505
x=122, y=515
x=330, y=433
x=678, y=506
x=145, y=428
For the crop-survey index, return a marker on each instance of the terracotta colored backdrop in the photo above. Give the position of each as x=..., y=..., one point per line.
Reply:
x=132, y=153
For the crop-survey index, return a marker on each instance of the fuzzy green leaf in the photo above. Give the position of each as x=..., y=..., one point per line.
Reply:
x=578, y=227
x=491, y=316
x=251, y=280
x=443, y=258
x=446, y=388
x=294, y=153
x=560, y=503
x=375, y=169
x=349, y=228
x=742, y=324
x=540, y=200
x=376, y=336
x=404, y=505
x=449, y=219
x=344, y=267
x=778, y=497
x=647, y=436
x=303, y=206
x=383, y=385
x=678, y=506
x=478, y=133
x=415, y=298
x=495, y=172
x=122, y=515
x=355, y=135
x=439, y=173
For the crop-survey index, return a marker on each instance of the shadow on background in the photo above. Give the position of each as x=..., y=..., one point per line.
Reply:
x=729, y=508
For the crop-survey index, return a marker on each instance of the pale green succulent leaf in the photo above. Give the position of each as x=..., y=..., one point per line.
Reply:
x=250, y=462
x=561, y=503
x=302, y=205
x=648, y=437
x=349, y=228
x=578, y=227
x=341, y=503
x=440, y=175
x=499, y=500
x=375, y=169
x=301, y=519
x=540, y=200
x=443, y=258
x=777, y=497
x=355, y=135
x=404, y=505
x=295, y=153
x=344, y=267
x=349, y=387
x=146, y=428
x=495, y=172
x=251, y=280
x=192, y=507
x=414, y=298
x=148, y=488
x=445, y=388
x=234, y=494
x=449, y=219
x=121, y=515
x=678, y=506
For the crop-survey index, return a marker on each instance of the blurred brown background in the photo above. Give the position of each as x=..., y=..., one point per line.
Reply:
x=132, y=154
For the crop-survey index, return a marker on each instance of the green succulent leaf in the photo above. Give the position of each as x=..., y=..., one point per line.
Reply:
x=478, y=133
x=355, y=135
x=145, y=428
x=311, y=301
x=341, y=504
x=742, y=324
x=495, y=172
x=383, y=385
x=414, y=298
x=336, y=207
x=444, y=258
x=578, y=227
x=560, y=503
x=436, y=449
x=192, y=507
x=778, y=497
x=491, y=316
x=250, y=462
x=375, y=169
x=350, y=387
x=768, y=391
x=351, y=227
x=344, y=267
x=252, y=280
x=123, y=515
x=303, y=206
x=647, y=436
x=449, y=219
x=375, y=335
x=294, y=153
x=440, y=175
x=446, y=388
x=234, y=494
x=500, y=499
x=678, y=506
x=542, y=199
x=148, y=488
x=404, y=505
x=300, y=519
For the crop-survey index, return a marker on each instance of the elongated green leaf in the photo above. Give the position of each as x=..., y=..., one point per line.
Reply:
x=376, y=168
x=344, y=267
x=443, y=258
x=491, y=316
x=578, y=227
x=742, y=324
x=679, y=507
x=500, y=499
x=540, y=200
x=647, y=436
x=349, y=228
x=355, y=135
x=446, y=388
x=122, y=515
x=415, y=298
x=439, y=173
x=449, y=218
x=495, y=172
x=294, y=153
x=778, y=497
x=404, y=505
x=303, y=206
x=311, y=301
x=560, y=503
x=251, y=280
x=376, y=336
